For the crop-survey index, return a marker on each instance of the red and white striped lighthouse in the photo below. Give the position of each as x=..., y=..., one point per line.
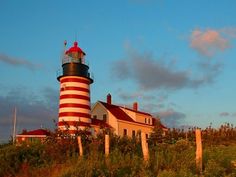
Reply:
x=75, y=80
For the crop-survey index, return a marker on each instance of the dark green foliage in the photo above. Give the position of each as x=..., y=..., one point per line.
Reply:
x=117, y=164
x=13, y=158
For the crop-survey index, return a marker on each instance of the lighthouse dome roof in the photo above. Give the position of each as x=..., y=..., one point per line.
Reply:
x=75, y=49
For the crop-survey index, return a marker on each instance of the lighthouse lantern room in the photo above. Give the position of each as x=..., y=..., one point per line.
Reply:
x=75, y=80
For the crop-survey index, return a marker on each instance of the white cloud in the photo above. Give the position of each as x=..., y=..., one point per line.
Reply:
x=209, y=42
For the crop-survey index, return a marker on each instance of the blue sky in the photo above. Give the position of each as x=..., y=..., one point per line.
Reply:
x=176, y=58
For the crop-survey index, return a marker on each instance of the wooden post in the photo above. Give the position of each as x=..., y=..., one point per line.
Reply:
x=144, y=146
x=80, y=146
x=198, y=151
x=107, y=145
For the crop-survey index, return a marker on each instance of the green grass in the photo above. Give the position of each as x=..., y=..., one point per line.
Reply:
x=170, y=156
x=165, y=160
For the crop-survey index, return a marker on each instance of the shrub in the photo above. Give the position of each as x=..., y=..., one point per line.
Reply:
x=213, y=169
x=170, y=155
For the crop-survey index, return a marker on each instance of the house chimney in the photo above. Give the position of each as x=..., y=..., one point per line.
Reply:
x=135, y=106
x=109, y=98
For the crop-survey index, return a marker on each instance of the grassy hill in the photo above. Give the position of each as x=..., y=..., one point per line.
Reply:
x=170, y=155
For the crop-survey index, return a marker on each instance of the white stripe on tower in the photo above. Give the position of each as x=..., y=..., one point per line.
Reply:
x=74, y=108
x=69, y=92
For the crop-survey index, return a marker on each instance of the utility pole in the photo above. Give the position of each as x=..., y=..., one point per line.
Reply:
x=14, y=127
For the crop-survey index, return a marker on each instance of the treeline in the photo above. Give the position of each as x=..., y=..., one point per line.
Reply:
x=172, y=153
x=223, y=135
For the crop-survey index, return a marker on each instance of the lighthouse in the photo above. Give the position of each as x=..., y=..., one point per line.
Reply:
x=75, y=80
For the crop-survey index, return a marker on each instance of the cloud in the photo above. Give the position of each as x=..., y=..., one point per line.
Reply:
x=129, y=96
x=224, y=114
x=152, y=107
x=149, y=101
x=171, y=118
x=208, y=42
x=149, y=73
x=227, y=114
x=32, y=112
x=229, y=31
x=51, y=97
x=208, y=72
x=18, y=62
x=121, y=69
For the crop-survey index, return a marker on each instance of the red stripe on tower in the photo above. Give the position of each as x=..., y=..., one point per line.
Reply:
x=75, y=114
x=75, y=80
x=74, y=95
x=75, y=88
x=85, y=81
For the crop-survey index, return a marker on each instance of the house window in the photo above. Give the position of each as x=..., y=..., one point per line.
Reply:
x=148, y=121
x=139, y=133
x=145, y=120
x=104, y=117
x=95, y=116
x=133, y=133
x=125, y=132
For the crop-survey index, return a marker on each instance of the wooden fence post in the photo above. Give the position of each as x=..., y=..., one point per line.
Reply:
x=80, y=146
x=107, y=145
x=198, y=151
x=144, y=146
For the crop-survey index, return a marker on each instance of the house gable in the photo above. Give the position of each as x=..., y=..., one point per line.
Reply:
x=99, y=111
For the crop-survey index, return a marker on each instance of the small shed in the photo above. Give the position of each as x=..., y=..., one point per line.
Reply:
x=38, y=135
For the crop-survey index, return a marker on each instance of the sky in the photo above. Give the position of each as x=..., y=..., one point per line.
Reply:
x=175, y=58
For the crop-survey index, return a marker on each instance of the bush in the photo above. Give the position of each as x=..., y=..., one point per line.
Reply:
x=13, y=157
x=117, y=164
x=172, y=155
x=222, y=156
x=213, y=169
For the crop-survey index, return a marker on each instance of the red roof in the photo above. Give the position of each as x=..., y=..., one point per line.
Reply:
x=110, y=105
x=121, y=115
x=117, y=112
x=138, y=111
x=75, y=49
x=37, y=132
